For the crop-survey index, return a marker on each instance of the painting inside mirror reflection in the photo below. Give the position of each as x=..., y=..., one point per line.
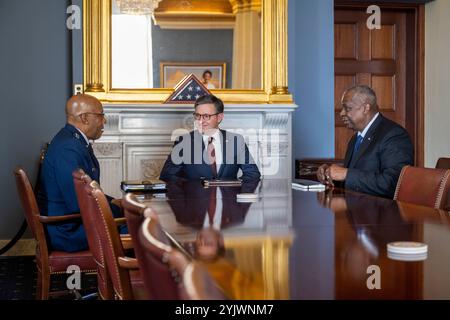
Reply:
x=204, y=32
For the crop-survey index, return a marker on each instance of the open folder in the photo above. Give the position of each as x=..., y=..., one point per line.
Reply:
x=307, y=185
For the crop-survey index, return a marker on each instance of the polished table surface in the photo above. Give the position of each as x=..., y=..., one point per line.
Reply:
x=291, y=244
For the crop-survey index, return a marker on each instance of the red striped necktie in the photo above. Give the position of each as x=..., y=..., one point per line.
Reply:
x=212, y=155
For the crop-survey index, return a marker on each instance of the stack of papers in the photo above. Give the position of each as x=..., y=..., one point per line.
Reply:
x=145, y=185
x=307, y=185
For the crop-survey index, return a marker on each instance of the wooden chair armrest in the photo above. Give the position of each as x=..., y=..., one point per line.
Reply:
x=54, y=219
x=128, y=263
x=126, y=241
x=117, y=202
x=120, y=221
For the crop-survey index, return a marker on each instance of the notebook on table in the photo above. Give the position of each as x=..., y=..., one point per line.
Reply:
x=143, y=185
x=307, y=185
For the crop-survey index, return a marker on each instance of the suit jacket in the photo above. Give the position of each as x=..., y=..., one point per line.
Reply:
x=187, y=161
x=68, y=151
x=376, y=167
x=189, y=201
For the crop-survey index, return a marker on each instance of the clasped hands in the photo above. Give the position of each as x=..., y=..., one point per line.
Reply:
x=327, y=174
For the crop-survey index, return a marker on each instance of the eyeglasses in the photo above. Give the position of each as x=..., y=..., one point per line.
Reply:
x=97, y=114
x=198, y=116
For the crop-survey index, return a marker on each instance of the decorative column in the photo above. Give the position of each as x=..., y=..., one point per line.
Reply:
x=93, y=45
x=247, y=63
x=279, y=47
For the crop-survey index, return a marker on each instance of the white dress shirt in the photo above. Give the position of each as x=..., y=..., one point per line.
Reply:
x=217, y=142
x=363, y=133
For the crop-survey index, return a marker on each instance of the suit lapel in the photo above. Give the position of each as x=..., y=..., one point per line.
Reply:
x=223, y=141
x=348, y=154
x=368, y=138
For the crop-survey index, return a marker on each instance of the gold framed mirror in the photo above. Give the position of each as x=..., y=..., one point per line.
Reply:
x=267, y=64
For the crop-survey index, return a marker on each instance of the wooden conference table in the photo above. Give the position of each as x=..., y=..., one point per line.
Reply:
x=291, y=244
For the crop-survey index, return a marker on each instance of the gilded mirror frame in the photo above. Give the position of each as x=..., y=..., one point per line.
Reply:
x=97, y=59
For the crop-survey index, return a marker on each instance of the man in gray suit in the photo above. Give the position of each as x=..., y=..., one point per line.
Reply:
x=376, y=153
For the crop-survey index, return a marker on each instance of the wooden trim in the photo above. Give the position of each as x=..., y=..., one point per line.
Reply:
x=420, y=126
x=418, y=10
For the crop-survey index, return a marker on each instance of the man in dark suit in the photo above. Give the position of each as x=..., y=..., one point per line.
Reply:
x=196, y=206
x=378, y=151
x=70, y=150
x=209, y=152
x=208, y=210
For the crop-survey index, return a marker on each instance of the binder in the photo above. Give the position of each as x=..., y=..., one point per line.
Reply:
x=143, y=185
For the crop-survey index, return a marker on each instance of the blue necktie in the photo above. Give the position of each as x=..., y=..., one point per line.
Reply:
x=359, y=139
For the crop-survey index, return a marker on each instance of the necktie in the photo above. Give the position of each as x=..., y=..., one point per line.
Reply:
x=358, y=142
x=212, y=156
x=212, y=205
x=93, y=158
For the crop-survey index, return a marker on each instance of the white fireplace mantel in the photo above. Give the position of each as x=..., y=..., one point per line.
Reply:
x=138, y=138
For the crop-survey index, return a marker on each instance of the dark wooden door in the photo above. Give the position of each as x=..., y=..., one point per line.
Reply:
x=384, y=59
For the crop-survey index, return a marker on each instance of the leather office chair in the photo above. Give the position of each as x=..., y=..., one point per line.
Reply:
x=105, y=288
x=443, y=163
x=127, y=285
x=188, y=279
x=48, y=261
x=157, y=277
x=424, y=186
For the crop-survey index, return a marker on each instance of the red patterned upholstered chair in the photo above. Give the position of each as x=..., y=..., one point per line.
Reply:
x=48, y=262
x=81, y=180
x=122, y=270
x=424, y=186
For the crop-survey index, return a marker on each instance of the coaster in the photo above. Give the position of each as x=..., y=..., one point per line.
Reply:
x=407, y=247
x=408, y=256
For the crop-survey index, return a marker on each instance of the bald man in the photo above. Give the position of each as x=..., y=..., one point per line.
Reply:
x=70, y=150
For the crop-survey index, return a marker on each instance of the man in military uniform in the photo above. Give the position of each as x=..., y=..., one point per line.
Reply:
x=70, y=150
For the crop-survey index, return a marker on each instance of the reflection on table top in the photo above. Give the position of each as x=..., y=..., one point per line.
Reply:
x=291, y=244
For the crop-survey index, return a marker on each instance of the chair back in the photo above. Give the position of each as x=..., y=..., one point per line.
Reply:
x=189, y=280
x=32, y=213
x=101, y=217
x=197, y=283
x=423, y=186
x=152, y=257
x=87, y=211
x=443, y=163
